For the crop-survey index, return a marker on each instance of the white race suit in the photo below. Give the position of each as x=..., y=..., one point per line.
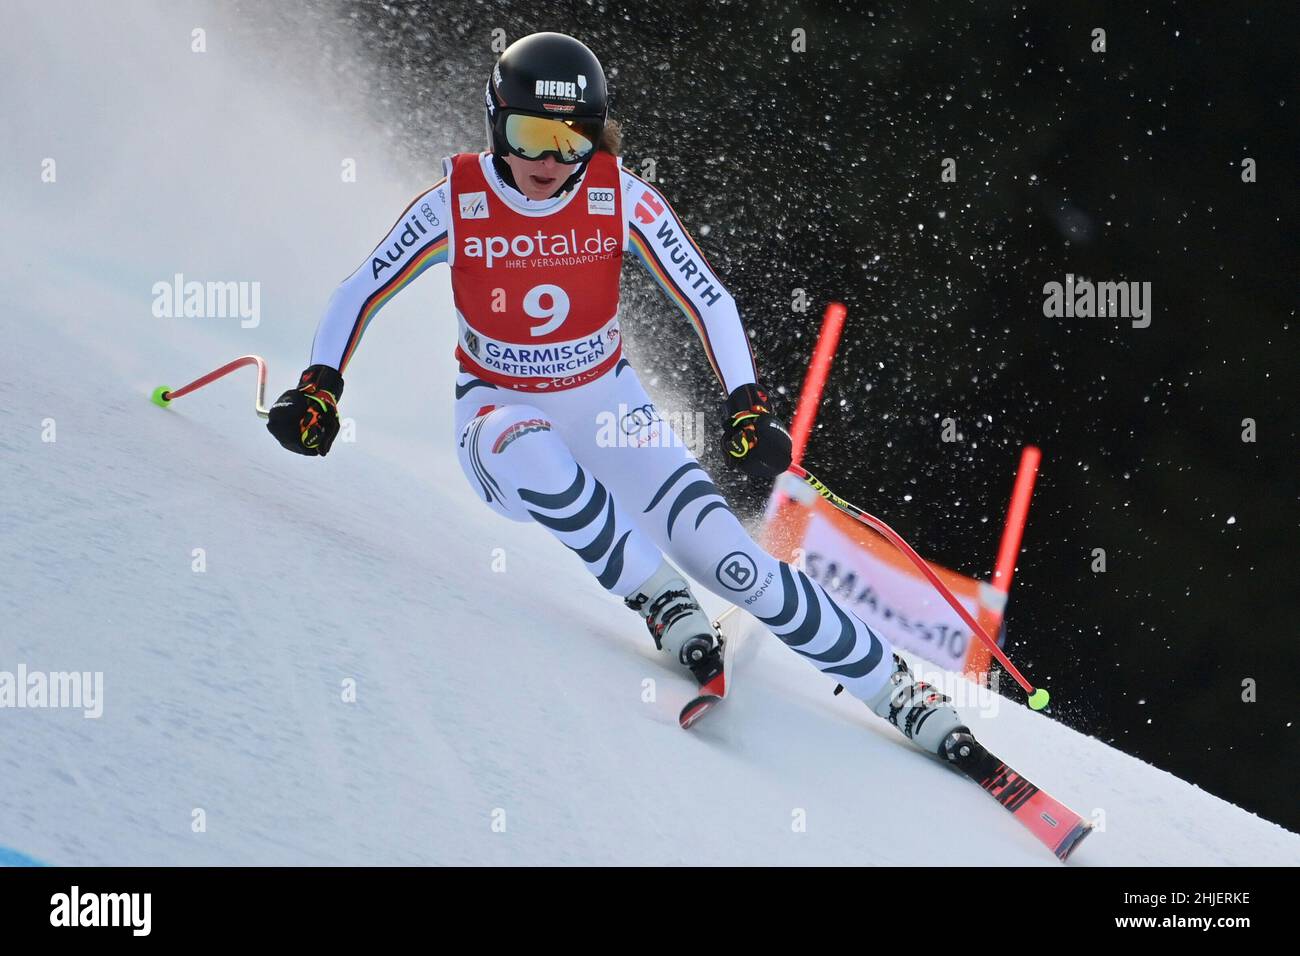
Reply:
x=552, y=424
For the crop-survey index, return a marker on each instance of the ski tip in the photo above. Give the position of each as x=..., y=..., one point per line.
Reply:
x=696, y=709
x=1072, y=840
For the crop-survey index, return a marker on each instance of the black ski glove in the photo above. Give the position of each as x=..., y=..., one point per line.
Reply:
x=306, y=419
x=755, y=440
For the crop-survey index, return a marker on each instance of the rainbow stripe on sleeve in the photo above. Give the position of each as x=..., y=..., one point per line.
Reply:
x=670, y=288
x=429, y=255
x=645, y=252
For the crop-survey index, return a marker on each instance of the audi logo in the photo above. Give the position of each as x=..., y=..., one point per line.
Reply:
x=639, y=418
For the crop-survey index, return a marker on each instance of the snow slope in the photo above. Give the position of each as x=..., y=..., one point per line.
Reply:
x=494, y=681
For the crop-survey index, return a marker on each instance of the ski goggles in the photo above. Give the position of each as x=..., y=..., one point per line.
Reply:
x=570, y=140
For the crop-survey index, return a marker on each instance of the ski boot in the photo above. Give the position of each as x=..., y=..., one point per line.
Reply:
x=917, y=709
x=680, y=627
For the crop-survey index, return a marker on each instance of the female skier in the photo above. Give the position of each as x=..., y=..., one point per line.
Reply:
x=534, y=229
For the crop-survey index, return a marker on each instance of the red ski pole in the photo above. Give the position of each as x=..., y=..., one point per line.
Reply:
x=163, y=396
x=1038, y=698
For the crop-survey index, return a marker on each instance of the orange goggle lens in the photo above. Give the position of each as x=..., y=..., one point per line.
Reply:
x=570, y=141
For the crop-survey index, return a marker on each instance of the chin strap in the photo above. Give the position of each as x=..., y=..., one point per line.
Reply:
x=570, y=182
x=503, y=170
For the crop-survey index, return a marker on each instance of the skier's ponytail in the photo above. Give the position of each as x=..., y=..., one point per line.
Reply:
x=611, y=137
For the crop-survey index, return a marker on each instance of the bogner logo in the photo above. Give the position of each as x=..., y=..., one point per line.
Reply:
x=600, y=202
x=473, y=206
x=736, y=571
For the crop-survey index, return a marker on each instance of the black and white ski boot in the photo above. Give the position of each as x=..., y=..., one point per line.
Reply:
x=917, y=709
x=680, y=627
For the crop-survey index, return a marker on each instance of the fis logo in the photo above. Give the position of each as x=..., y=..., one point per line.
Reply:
x=473, y=206
x=600, y=202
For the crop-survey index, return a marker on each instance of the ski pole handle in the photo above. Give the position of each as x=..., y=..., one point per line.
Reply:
x=163, y=396
x=1037, y=697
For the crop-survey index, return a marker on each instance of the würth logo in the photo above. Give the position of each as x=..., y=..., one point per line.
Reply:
x=648, y=209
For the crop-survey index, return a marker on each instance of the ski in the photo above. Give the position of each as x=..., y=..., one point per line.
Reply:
x=1051, y=822
x=713, y=693
x=697, y=708
x=1054, y=824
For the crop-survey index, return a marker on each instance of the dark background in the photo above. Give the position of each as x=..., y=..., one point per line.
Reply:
x=821, y=170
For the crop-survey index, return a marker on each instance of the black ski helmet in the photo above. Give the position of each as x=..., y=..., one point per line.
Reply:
x=549, y=75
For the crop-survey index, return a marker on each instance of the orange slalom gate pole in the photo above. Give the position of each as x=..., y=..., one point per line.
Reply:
x=805, y=415
x=1017, y=515
x=977, y=662
x=819, y=369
